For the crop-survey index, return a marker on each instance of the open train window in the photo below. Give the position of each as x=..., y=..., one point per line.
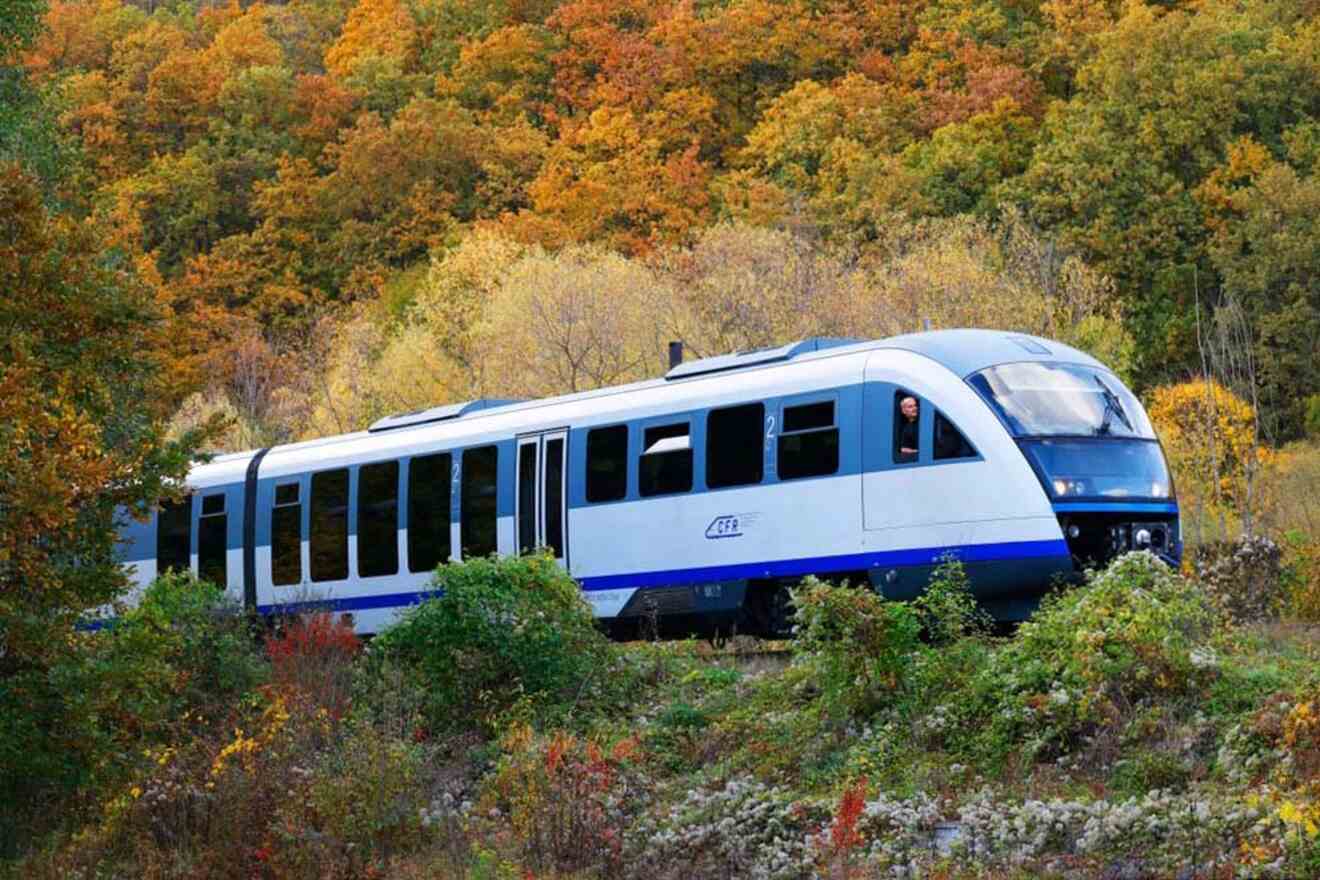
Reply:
x=212, y=540
x=329, y=532
x=907, y=424
x=607, y=463
x=286, y=536
x=478, y=502
x=174, y=536
x=666, y=463
x=429, y=492
x=949, y=441
x=378, y=519
x=733, y=446
x=809, y=441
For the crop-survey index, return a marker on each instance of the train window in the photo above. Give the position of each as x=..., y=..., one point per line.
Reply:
x=733, y=446
x=477, y=524
x=554, y=496
x=378, y=519
x=174, y=536
x=212, y=540
x=286, y=537
x=809, y=442
x=949, y=441
x=666, y=465
x=329, y=532
x=607, y=463
x=429, y=493
x=907, y=422
x=527, y=496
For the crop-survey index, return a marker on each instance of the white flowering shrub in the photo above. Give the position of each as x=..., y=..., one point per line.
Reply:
x=1244, y=578
x=741, y=829
x=1135, y=632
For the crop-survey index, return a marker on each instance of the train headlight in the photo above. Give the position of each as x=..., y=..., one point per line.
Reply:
x=1074, y=531
x=1141, y=537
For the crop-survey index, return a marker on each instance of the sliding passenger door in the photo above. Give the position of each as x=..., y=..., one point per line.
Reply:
x=541, y=517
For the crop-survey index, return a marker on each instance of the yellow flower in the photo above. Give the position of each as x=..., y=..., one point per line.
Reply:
x=135, y=792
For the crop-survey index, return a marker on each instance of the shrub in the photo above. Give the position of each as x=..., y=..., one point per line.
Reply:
x=947, y=608
x=1303, y=576
x=78, y=725
x=860, y=643
x=312, y=659
x=1134, y=631
x=1244, y=578
x=504, y=630
x=566, y=800
x=363, y=800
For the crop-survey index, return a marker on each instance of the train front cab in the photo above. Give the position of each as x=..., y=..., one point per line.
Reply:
x=1094, y=452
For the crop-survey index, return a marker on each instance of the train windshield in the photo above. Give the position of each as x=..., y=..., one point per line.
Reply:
x=1062, y=400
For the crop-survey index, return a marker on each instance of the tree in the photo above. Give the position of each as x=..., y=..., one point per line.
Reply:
x=82, y=409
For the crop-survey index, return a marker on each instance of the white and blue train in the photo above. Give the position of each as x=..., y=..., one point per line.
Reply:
x=698, y=497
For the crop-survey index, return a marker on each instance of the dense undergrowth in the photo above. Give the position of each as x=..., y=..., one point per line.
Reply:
x=1145, y=724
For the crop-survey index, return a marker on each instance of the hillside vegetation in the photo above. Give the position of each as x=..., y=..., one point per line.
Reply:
x=1145, y=725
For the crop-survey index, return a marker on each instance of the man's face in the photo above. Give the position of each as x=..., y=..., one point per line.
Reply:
x=908, y=406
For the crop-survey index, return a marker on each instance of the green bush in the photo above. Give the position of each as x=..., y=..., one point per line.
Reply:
x=1133, y=632
x=505, y=631
x=861, y=644
x=947, y=608
x=76, y=726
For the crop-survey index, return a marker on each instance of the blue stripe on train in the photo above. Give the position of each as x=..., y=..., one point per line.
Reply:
x=1013, y=550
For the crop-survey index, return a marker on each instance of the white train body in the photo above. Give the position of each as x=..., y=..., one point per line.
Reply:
x=829, y=493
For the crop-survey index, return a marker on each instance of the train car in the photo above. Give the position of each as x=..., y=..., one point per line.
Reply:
x=699, y=497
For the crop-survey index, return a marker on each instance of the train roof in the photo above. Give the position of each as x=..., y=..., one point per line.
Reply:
x=963, y=351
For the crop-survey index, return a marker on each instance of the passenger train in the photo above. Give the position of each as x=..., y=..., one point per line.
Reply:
x=699, y=497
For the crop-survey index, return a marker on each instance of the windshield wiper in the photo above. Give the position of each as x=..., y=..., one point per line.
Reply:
x=1113, y=407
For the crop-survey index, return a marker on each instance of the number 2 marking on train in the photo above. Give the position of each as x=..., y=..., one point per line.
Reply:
x=769, y=431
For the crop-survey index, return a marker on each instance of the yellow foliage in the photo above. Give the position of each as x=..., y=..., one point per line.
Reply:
x=1210, y=438
x=381, y=28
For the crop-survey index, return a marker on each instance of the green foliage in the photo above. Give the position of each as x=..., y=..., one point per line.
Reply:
x=946, y=607
x=1147, y=770
x=504, y=629
x=1312, y=419
x=82, y=720
x=1136, y=631
x=860, y=644
x=363, y=796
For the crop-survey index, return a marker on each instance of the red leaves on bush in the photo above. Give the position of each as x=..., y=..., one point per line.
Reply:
x=844, y=835
x=311, y=658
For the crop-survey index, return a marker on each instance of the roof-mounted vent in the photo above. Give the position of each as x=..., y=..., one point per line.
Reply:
x=1030, y=344
x=439, y=413
x=740, y=359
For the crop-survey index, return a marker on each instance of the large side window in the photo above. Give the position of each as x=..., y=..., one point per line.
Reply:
x=378, y=519
x=212, y=540
x=527, y=495
x=286, y=536
x=329, y=532
x=478, y=502
x=949, y=441
x=733, y=446
x=429, y=490
x=809, y=441
x=174, y=536
x=666, y=465
x=607, y=463
x=907, y=422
